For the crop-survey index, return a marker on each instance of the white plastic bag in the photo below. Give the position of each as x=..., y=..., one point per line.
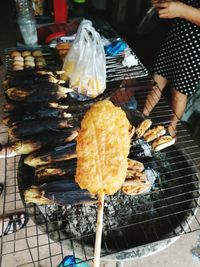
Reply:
x=85, y=64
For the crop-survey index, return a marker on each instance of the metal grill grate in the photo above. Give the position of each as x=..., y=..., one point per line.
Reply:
x=168, y=210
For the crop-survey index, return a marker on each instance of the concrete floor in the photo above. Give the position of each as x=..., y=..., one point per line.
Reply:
x=16, y=248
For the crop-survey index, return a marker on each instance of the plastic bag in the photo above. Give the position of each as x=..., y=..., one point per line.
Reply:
x=85, y=64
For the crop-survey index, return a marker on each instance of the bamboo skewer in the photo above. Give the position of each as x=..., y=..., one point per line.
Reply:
x=97, y=250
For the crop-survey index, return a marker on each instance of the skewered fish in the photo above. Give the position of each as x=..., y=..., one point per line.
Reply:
x=60, y=153
x=61, y=192
x=102, y=148
x=27, y=128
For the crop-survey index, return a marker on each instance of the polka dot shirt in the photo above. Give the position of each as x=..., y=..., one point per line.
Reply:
x=179, y=57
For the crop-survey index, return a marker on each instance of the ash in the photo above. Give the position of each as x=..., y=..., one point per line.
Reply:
x=119, y=210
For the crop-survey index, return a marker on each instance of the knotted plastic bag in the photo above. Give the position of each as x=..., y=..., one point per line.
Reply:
x=85, y=64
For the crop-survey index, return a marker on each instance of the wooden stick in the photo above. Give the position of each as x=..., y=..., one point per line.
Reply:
x=97, y=250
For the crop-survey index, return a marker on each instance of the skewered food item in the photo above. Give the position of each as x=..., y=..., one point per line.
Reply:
x=135, y=165
x=136, y=183
x=61, y=192
x=40, y=64
x=102, y=148
x=6, y=152
x=29, y=64
x=37, y=53
x=36, y=142
x=26, y=53
x=29, y=80
x=18, y=67
x=43, y=140
x=23, y=107
x=52, y=92
x=62, y=49
x=143, y=127
x=33, y=127
x=57, y=169
x=18, y=58
x=132, y=131
x=60, y=153
x=29, y=58
x=163, y=142
x=18, y=63
x=15, y=54
x=38, y=114
x=154, y=133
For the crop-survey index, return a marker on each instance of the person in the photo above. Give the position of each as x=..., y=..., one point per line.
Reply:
x=178, y=61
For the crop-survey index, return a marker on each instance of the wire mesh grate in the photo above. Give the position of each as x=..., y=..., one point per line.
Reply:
x=167, y=211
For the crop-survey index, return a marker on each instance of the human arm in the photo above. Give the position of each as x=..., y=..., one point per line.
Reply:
x=170, y=10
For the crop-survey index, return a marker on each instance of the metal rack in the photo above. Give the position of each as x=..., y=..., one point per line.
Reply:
x=167, y=211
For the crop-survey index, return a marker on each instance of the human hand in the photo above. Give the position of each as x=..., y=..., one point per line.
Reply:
x=170, y=10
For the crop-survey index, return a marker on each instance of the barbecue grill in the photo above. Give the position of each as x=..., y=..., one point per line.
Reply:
x=132, y=225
